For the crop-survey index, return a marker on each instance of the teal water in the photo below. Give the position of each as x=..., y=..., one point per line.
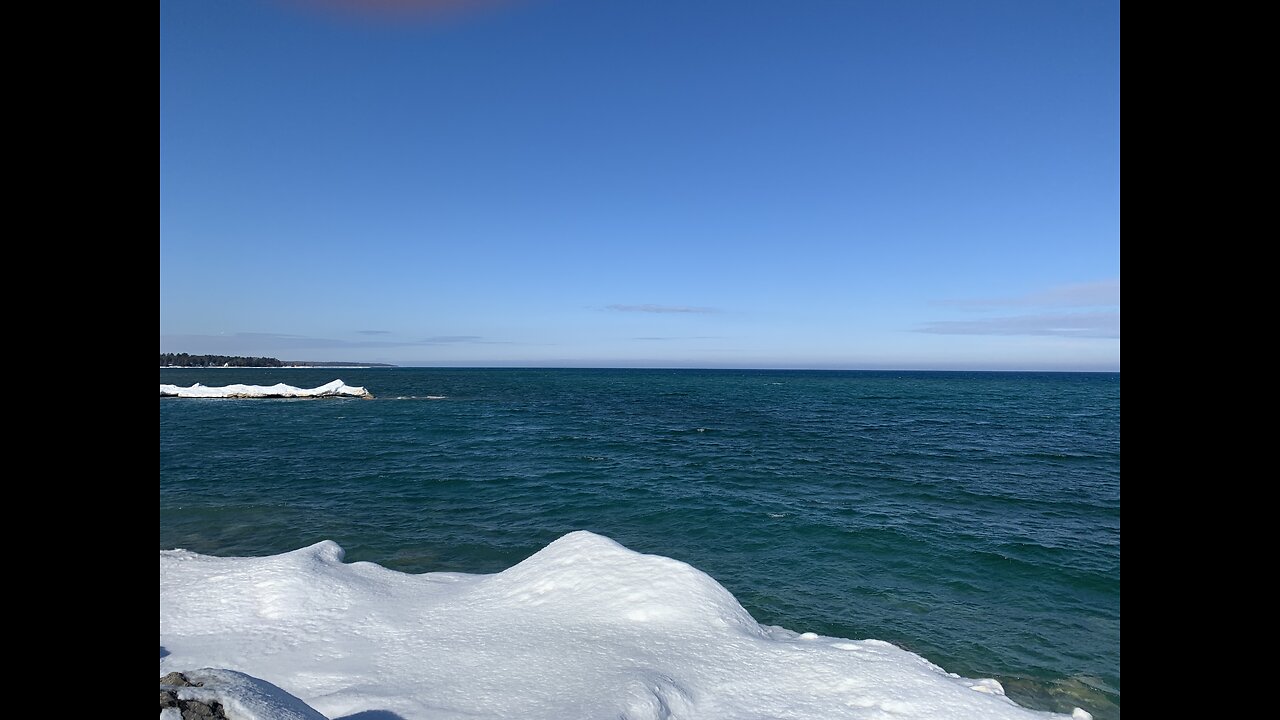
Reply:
x=973, y=518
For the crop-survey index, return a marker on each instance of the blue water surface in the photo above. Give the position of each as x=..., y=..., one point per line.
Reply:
x=973, y=518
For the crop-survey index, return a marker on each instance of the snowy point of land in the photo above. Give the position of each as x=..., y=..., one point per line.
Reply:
x=585, y=628
x=337, y=388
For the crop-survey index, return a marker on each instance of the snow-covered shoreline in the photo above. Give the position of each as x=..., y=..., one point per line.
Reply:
x=337, y=388
x=585, y=628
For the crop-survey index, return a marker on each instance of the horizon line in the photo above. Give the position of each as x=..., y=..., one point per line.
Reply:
x=781, y=368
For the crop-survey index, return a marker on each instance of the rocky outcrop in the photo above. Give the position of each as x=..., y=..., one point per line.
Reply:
x=187, y=709
x=219, y=694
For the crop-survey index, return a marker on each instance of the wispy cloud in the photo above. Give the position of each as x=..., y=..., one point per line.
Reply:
x=1080, y=325
x=1090, y=294
x=446, y=339
x=1079, y=310
x=1100, y=293
x=680, y=337
x=662, y=309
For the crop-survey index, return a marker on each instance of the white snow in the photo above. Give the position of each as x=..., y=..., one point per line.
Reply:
x=279, y=390
x=583, y=629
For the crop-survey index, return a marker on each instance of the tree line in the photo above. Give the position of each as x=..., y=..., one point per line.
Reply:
x=185, y=360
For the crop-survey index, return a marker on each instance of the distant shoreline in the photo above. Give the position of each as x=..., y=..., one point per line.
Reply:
x=646, y=368
x=187, y=360
x=276, y=367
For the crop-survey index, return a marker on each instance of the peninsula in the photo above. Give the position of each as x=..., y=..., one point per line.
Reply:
x=183, y=360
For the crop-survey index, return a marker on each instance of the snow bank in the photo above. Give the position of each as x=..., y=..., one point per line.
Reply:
x=585, y=628
x=337, y=388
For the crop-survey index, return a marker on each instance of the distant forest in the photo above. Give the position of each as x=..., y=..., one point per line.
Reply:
x=185, y=360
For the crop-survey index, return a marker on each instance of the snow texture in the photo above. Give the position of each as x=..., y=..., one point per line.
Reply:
x=337, y=388
x=583, y=629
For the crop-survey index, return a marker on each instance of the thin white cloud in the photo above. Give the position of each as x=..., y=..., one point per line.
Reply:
x=1100, y=293
x=1091, y=294
x=1076, y=310
x=679, y=337
x=1079, y=325
x=662, y=309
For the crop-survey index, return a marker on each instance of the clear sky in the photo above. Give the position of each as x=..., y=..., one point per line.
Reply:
x=844, y=184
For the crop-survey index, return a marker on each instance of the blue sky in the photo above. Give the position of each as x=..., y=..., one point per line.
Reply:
x=910, y=185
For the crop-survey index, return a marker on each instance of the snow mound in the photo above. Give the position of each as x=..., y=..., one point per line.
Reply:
x=585, y=628
x=337, y=388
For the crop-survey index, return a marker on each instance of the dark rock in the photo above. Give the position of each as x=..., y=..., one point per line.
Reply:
x=190, y=709
x=196, y=710
x=177, y=679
